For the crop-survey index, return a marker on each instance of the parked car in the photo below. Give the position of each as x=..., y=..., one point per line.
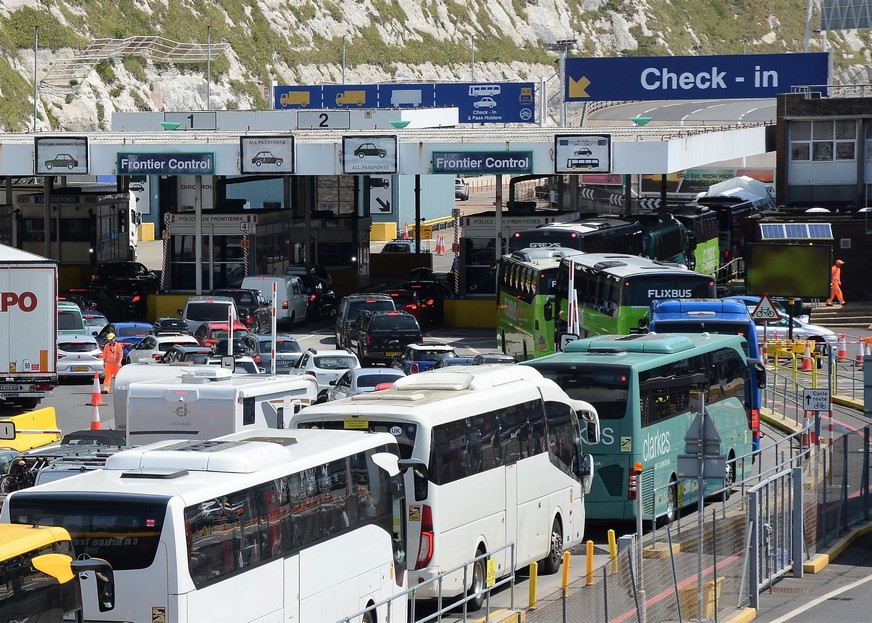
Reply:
x=433, y=295
x=152, y=347
x=402, y=246
x=291, y=301
x=94, y=322
x=70, y=320
x=124, y=299
x=378, y=337
x=128, y=334
x=478, y=360
x=461, y=189
x=322, y=299
x=241, y=346
x=170, y=325
x=409, y=302
x=210, y=332
x=111, y=271
x=188, y=354
x=84, y=297
x=325, y=366
x=242, y=364
x=254, y=310
x=362, y=381
x=288, y=351
x=423, y=356
x=350, y=307
x=302, y=270
x=79, y=356
x=200, y=309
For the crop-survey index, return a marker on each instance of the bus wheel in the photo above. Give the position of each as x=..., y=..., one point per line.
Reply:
x=368, y=617
x=478, y=582
x=730, y=476
x=551, y=563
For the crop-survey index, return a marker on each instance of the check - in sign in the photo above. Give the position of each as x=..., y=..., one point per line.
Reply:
x=165, y=164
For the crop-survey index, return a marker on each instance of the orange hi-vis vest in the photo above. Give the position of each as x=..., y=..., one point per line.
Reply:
x=112, y=355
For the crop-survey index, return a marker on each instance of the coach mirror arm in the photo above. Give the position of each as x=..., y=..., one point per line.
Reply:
x=419, y=474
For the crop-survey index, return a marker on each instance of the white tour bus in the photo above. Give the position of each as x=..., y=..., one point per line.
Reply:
x=502, y=452
x=212, y=403
x=291, y=526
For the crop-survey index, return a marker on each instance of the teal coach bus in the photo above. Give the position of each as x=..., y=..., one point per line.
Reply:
x=647, y=389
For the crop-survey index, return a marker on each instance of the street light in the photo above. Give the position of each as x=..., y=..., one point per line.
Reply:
x=208, y=67
x=472, y=63
x=343, y=59
x=562, y=46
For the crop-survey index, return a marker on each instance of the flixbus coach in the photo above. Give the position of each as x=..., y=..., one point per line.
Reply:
x=292, y=526
x=501, y=449
x=646, y=390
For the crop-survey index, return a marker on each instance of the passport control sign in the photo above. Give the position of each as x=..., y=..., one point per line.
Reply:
x=692, y=77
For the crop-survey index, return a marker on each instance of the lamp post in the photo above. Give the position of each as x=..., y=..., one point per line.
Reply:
x=343, y=59
x=208, y=67
x=472, y=62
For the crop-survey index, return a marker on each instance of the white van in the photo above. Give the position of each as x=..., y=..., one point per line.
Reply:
x=292, y=302
x=199, y=407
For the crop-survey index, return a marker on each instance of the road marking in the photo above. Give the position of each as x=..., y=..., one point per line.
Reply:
x=821, y=599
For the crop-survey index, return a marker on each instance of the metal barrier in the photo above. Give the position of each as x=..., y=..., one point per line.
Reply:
x=406, y=599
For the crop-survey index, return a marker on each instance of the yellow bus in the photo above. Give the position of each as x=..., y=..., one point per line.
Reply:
x=41, y=580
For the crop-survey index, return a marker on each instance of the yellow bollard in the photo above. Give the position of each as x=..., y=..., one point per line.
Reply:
x=534, y=577
x=613, y=550
x=590, y=563
x=565, y=570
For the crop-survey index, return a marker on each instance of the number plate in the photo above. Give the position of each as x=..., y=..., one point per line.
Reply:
x=392, y=354
x=356, y=424
x=80, y=369
x=9, y=388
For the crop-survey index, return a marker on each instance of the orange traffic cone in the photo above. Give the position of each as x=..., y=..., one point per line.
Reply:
x=96, y=398
x=405, y=231
x=807, y=359
x=440, y=246
x=95, y=420
x=842, y=353
x=861, y=353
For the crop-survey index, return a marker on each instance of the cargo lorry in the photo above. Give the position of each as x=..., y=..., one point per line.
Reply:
x=200, y=406
x=28, y=327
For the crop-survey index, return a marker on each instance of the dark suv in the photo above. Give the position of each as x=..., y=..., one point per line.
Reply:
x=351, y=306
x=108, y=272
x=254, y=311
x=378, y=337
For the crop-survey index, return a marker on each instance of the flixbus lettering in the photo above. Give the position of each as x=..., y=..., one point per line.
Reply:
x=669, y=294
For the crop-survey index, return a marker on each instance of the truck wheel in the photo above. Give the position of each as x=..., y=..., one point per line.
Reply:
x=28, y=403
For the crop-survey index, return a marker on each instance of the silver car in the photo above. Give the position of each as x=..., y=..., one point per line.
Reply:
x=288, y=351
x=361, y=381
x=79, y=356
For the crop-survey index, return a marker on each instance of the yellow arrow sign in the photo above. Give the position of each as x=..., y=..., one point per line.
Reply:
x=577, y=87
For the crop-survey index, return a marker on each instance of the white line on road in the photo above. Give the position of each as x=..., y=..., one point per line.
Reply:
x=821, y=599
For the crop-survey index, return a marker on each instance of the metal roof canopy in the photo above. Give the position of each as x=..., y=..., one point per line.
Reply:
x=635, y=150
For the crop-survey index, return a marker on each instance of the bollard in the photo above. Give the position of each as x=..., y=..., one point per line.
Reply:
x=590, y=563
x=613, y=550
x=534, y=577
x=565, y=583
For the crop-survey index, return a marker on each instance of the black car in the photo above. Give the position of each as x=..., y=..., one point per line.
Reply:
x=170, y=325
x=254, y=310
x=378, y=337
x=241, y=346
x=350, y=308
x=187, y=353
x=433, y=294
x=108, y=272
x=317, y=270
x=322, y=299
x=124, y=299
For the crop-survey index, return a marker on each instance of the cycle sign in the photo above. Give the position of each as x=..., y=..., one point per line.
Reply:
x=766, y=310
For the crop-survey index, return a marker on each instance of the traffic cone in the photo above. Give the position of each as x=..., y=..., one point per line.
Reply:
x=440, y=246
x=405, y=231
x=807, y=359
x=861, y=353
x=96, y=397
x=95, y=420
x=842, y=353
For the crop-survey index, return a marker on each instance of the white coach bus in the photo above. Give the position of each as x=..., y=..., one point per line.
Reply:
x=268, y=526
x=502, y=451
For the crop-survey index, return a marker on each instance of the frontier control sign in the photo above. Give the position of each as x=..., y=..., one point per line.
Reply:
x=692, y=77
x=494, y=162
x=165, y=164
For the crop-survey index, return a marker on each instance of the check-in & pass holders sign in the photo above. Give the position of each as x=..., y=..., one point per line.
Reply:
x=369, y=154
x=165, y=164
x=493, y=162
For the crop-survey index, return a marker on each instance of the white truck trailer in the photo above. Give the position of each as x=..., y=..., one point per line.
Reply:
x=28, y=326
x=200, y=406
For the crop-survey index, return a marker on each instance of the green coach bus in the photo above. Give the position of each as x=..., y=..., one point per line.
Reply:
x=647, y=389
x=614, y=292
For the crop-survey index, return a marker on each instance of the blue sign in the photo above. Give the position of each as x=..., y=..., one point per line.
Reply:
x=482, y=102
x=165, y=164
x=691, y=77
x=482, y=162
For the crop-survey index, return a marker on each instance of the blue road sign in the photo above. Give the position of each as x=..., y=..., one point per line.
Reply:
x=691, y=77
x=483, y=102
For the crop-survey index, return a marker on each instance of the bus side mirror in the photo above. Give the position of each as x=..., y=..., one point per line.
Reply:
x=419, y=474
x=548, y=309
x=760, y=369
x=105, y=580
x=591, y=424
x=586, y=472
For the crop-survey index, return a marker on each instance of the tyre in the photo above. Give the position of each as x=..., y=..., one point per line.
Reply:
x=551, y=563
x=730, y=477
x=478, y=584
x=28, y=403
x=368, y=617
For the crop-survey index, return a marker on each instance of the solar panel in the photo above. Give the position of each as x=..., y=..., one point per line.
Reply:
x=796, y=231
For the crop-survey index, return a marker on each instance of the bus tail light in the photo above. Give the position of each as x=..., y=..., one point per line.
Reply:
x=631, y=489
x=755, y=423
x=284, y=304
x=425, y=543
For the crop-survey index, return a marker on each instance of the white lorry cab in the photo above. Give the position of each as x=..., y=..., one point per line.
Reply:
x=212, y=403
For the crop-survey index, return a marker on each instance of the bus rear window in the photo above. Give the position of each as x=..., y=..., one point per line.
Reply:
x=606, y=388
x=122, y=530
x=403, y=432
